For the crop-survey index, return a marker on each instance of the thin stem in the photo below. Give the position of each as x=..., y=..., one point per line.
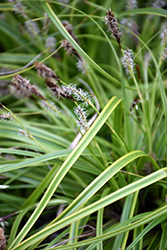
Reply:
x=28, y=133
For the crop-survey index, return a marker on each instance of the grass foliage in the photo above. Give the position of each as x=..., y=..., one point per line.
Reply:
x=83, y=141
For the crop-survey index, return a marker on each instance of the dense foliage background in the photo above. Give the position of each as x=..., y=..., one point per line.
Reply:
x=99, y=68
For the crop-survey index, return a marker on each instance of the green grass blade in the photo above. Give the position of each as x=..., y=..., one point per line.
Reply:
x=163, y=243
x=133, y=187
x=147, y=229
x=128, y=211
x=71, y=159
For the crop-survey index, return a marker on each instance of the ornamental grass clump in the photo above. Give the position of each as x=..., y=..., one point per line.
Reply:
x=83, y=120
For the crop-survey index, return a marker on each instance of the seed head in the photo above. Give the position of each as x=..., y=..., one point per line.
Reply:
x=46, y=23
x=78, y=94
x=164, y=56
x=82, y=115
x=163, y=34
x=19, y=8
x=69, y=49
x=57, y=90
x=2, y=239
x=131, y=4
x=50, y=43
x=22, y=88
x=44, y=71
x=82, y=66
x=127, y=61
x=23, y=133
x=159, y=4
x=6, y=116
x=69, y=28
x=32, y=28
x=112, y=24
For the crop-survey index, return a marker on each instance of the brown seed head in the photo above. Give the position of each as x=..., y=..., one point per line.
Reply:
x=57, y=90
x=69, y=28
x=2, y=239
x=44, y=71
x=70, y=50
x=22, y=88
x=112, y=24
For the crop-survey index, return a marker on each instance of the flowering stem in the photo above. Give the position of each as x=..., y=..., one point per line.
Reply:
x=83, y=97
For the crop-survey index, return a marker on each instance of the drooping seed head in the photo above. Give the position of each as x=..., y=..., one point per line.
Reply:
x=69, y=49
x=45, y=72
x=21, y=87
